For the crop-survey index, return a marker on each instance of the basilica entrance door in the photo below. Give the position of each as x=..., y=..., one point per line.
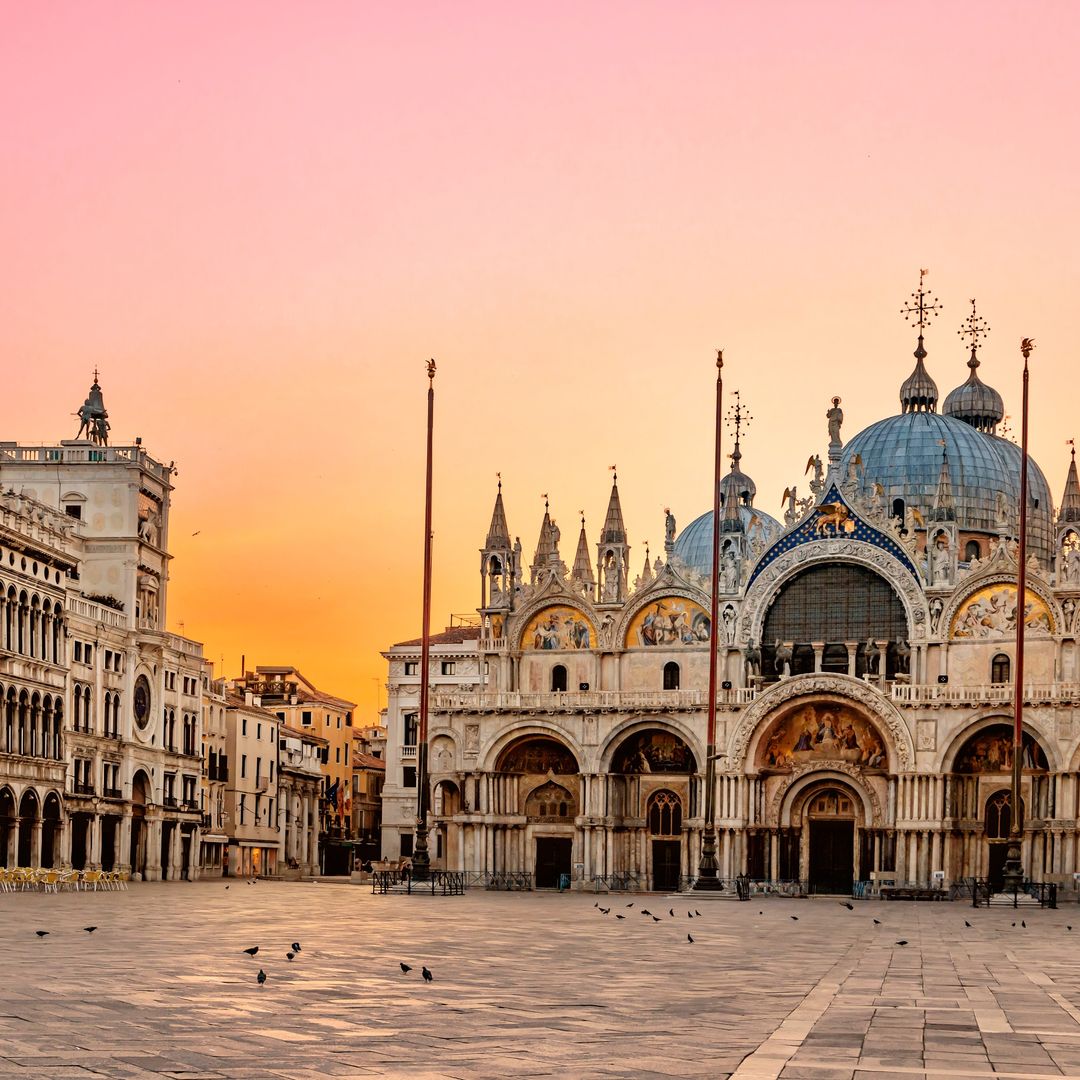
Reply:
x=553, y=857
x=665, y=865
x=831, y=821
x=998, y=851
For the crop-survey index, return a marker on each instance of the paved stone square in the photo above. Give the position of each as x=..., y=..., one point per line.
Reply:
x=529, y=985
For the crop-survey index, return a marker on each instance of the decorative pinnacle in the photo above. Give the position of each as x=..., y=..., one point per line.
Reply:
x=974, y=327
x=922, y=307
x=96, y=374
x=544, y=496
x=1026, y=346
x=719, y=359
x=1071, y=443
x=499, y=477
x=582, y=513
x=737, y=418
x=431, y=369
x=614, y=470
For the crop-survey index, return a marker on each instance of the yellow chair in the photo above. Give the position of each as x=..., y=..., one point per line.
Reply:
x=91, y=879
x=49, y=880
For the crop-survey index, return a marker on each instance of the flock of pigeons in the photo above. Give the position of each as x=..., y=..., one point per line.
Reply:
x=655, y=918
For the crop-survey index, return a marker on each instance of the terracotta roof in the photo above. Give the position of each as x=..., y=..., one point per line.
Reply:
x=317, y=697
x=366, y=761
x=452, y=635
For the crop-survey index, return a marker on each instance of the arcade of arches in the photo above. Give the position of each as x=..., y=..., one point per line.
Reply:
x=819, y=800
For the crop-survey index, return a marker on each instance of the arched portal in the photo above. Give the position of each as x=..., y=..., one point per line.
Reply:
x=446, y=805
x=9, y=828
x=979, y=798
x=140, y=796
x=664, y=814
x=50, y=830
x=829, y=816
x=29, y=828
x=528, y=786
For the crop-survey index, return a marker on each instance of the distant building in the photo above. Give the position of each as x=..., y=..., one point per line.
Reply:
x=368, y=777
x=301, y=705
x=456, y=667
x=300, y=784
x=215, y=776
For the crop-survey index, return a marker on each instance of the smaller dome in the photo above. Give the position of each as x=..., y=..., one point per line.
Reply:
x=736, y=484
x=694, y=544
x=919, y=393
x=974, y=402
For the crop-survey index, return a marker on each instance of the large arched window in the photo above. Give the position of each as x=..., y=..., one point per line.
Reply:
x=1001, y=669
x=671, y=675
x=860, y=605
x=558, y=678
x=665, y=813
x=999, y=815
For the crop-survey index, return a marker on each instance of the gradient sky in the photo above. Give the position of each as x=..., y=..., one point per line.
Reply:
x=260, y=219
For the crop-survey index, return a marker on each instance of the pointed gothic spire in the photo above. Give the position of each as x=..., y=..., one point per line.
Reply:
x=582, y=571
x=1070, y=501
x=614, y=529
x=498, y=537
x=547, y=546
x=943, y=509
x=647, y=573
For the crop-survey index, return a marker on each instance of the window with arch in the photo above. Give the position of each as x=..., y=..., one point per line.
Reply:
x=665, y=813
x=558, y=678
x=671, y=675
x=972, y=550
x=1000, y=669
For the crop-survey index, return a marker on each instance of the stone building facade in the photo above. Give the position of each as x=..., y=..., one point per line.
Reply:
x=866, y=645
x=87, y=547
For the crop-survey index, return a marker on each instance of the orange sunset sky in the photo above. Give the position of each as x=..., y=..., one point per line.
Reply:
x=260, y=219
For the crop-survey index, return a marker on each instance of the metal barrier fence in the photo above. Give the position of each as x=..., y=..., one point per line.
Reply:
x=620, y=881
x=499, y=880
x=739, y=887
x=437, y=882
x=1045, y=892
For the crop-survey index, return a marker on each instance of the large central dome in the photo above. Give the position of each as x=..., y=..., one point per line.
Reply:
x=904, y=455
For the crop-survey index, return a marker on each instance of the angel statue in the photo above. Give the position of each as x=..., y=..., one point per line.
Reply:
x=817, y=485
x=791, y=514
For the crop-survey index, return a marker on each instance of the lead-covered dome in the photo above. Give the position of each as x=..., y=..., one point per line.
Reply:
x=904, y=454
x=974, y=402
x=694, y=544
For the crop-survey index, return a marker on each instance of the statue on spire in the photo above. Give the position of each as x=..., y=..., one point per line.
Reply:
x=93, y=416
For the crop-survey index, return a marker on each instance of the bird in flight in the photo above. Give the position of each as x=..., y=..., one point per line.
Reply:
x=252, y=951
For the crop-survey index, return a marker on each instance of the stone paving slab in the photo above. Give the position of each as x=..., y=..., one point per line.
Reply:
x=528, y=985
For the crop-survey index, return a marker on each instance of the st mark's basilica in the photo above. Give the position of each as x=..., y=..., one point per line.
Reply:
x=866, y=647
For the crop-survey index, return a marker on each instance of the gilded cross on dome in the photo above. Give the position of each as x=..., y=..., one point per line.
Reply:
x=738, y=417
x=922, y=306
x=975, y=327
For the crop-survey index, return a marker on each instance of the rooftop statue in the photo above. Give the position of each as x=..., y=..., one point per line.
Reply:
x=93, y=417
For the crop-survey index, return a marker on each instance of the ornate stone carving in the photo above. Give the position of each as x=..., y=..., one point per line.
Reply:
x=830, y=551
x=472, y=739
x=826, y=767
x=926, y=735
x=841, y=686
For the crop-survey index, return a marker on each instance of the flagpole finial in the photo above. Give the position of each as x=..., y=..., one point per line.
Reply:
x=431, y=369
x=719, y=359
x=1026, y=346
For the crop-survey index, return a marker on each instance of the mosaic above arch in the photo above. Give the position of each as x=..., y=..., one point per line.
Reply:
x=991, y=751
x=821, y=731
x=671, y=622
x=653, y=752
x=990, y=612
x=558, y=627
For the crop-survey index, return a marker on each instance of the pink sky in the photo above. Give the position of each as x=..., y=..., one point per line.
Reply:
x=259, y=220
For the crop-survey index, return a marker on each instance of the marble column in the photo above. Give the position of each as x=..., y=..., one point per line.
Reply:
x=151, y=844
x=93, y=842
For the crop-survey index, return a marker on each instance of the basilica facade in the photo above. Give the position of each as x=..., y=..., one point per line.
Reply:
x=866, y=642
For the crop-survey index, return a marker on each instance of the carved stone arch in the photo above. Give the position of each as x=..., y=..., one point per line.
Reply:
x=970, y=587
x=651, y=595
x=821, y=685
x=519, y=620
x=994, y=717
x=762, y=592
x=805, y=776
x=444, y=754
x=552, y=595
x=541, y=729
x=634, y=724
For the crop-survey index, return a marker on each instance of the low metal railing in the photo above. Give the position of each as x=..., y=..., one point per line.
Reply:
x=436, y=882
x=738, y=887
x=982, y=893
x=620, y=881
